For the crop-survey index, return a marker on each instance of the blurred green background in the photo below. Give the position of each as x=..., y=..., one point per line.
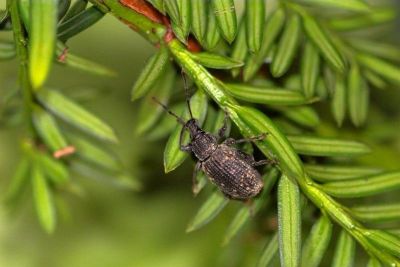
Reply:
x=108, y=226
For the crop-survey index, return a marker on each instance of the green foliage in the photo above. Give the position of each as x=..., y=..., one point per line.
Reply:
x=47, y=145
x=71, y=112
x=255, y=16
x=269, y=252
x=289, y=222
x=48, y=130
x=151, y=72
x=344, y=251
x=309, y=69
x=78, y=23
x=43, y=200
x=269, y=95
x=42, y=40
x=272, y=29
x=214, y=61
x=66, y=58
x=317, y=242
x=264, y=84
x=286, y=47
x=208, y=211
x=225, y=13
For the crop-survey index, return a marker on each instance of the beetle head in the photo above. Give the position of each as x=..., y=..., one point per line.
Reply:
x=192, y=126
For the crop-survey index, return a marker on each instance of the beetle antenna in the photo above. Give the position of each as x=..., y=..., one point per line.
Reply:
x=185, y=85
x=179, y=119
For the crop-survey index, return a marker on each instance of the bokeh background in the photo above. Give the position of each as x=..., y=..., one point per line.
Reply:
x=107, y=226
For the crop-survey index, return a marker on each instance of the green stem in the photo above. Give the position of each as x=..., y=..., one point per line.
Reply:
x=282, y=148
x=22, y=53
x=215, y=89
x=150, y=30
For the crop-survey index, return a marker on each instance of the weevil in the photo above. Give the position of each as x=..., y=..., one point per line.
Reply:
x=230, y=169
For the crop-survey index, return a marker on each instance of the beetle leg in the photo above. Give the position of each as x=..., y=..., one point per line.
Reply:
x=222, y=130
x=229, y=141
x=226, y=195
x=183, y=147
x=247, y=157
x=252, y=139
x=264, y=162
x=195, y=183
x=251, y=205
x=186, y=148
x=250, y=159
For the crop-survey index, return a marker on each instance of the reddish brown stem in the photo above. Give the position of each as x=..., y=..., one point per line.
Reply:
x=144, y=8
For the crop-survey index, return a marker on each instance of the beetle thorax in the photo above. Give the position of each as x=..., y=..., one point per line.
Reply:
x=203, y=145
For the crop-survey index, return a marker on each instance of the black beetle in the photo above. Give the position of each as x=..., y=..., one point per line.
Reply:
x=226, y=166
